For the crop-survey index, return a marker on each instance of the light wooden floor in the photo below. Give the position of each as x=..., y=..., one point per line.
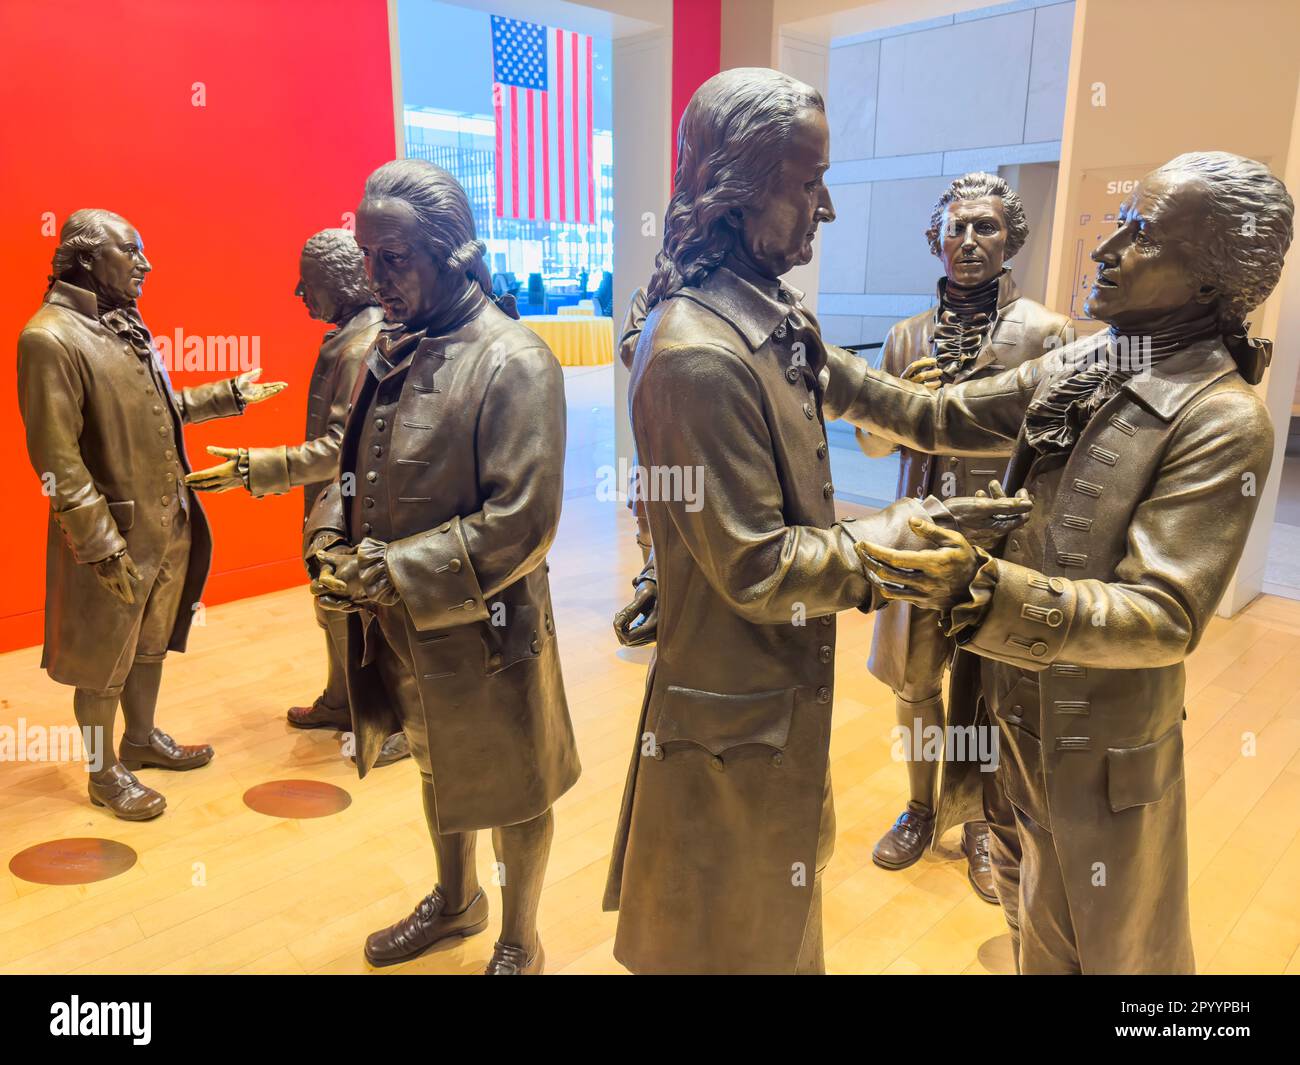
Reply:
x=219, y=888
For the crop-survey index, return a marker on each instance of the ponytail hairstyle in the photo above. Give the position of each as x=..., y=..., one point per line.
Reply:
x=730, y=145
x=443, y=212
x=83, y=234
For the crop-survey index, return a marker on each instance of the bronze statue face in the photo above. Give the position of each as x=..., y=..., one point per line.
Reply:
x=1145, y=277
x=408, y=282
x=974, y=240
x=116, y=274
x=316, y=289
x=777, y=231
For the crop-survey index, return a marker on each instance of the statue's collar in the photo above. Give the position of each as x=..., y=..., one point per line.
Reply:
x=74, y=298
x=754, y=312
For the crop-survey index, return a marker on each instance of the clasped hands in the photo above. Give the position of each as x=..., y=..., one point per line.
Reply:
x=351, y=578
x=939, y=576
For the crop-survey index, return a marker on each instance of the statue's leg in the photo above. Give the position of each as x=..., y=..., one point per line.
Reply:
x=522, y=851
x=918, y=711
x=143, y=744
x=1003, y=854
x=457, y=906
x=110, y=783
x=454, y=851
x=96, y=712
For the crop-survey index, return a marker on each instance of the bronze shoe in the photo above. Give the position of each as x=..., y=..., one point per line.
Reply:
x=320, y=715
x=979, y=871
x=509, y=960
x=163, y=752
x=395, y=748
x=428, y=923
x=124, y=795
x=907, y=839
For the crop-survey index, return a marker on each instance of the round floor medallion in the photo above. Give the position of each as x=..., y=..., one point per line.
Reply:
x=82, y=860
x=297, y=798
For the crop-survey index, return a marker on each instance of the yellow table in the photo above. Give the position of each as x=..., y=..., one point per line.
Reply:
x=576, y=341
x=583, y=309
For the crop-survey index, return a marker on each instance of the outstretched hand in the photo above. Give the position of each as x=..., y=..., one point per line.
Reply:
x=935, y=577
x=251, y=392
x=219, y=478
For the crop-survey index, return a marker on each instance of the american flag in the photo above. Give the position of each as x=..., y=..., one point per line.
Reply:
x=541, y=93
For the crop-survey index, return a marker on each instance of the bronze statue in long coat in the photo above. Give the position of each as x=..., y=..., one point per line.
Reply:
x=727, y=815
x=129, y=547
x=332, y=285
x=1145, y=449
x=980, y=325
x=455, y=445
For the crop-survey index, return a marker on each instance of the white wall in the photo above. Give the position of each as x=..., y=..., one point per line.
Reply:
x=910, y=108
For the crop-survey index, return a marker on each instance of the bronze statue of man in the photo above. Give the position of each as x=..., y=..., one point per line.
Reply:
x=1144, y=449
x=129, y=548
x=333, y=286
x=456, y=446
x=980, y=326
x=727, y=816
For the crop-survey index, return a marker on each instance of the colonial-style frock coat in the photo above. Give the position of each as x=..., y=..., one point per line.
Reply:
x=726, y=813
x=1083, y=625
x=457, y=454
x=104, y=433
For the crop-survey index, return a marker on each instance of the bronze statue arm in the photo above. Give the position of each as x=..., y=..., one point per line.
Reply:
x=225, y=398
x=699, y=409
x=1184, y=543
x=50, y=398
x=445, y=575
x=275, y=470
x=980, y=417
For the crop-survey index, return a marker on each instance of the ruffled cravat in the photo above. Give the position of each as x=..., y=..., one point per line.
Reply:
x=962, y=325
x=1055, y=420
x=127, y=323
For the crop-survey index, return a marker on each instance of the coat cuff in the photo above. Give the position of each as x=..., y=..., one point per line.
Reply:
x=91, y=531
x=268, y=471
x=1027, y=619
x=435, y=578
x=215, y=399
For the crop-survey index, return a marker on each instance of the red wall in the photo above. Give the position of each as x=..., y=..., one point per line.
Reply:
x=98, y=113
x=697, y=53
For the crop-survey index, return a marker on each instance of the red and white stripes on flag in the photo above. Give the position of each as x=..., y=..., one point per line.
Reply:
x=542, y=100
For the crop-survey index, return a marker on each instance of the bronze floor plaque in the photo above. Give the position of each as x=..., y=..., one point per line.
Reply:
x=82, y=860
x=297, y=798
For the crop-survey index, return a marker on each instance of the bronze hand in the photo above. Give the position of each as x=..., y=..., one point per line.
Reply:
x=116, y=574
x=986, y=517
x=225, y=475
x=936, y=577
x=251, y=392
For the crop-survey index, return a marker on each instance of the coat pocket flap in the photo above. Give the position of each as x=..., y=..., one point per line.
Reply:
x=520, y=638
x=123, y=514
x=720, y=722
x=1139, y=776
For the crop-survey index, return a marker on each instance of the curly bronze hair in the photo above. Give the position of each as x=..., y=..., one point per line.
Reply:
x=730, y=145
x=337, y=253
x=1251, y=218
x=971, y=187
